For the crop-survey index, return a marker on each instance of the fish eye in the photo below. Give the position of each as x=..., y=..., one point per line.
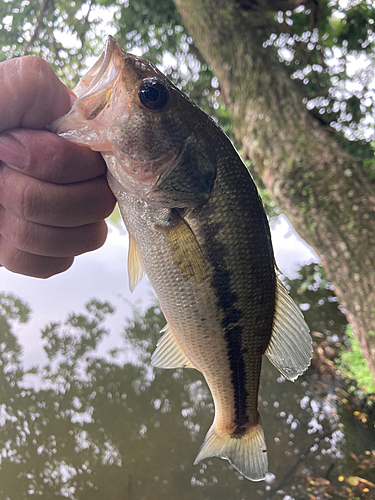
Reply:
x=153, y=93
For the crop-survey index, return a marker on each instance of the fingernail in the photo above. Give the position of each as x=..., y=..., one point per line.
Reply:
x=13, y=152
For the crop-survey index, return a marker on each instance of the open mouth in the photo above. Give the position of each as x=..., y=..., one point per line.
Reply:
x=97, y=90
x=103, y=73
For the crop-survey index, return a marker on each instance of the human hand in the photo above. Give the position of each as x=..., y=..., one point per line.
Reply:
x=54, y=194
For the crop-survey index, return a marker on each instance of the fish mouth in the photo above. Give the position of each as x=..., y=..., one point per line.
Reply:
x=104, y=72
x=96, y=90
x=102, y=107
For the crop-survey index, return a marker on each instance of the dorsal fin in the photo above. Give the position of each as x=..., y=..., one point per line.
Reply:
x=290, y=347
x=136, y=270
x=168, y=354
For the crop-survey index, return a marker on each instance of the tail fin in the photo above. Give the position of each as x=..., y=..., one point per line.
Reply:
x=247, y=454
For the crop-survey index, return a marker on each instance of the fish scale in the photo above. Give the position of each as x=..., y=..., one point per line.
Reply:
x=197, y=228
x=243, y=293
x=246, y=293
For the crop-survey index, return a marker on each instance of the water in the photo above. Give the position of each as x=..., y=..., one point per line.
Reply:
x=94, y=421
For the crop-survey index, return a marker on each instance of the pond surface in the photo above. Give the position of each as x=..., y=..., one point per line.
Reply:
x=84, y=416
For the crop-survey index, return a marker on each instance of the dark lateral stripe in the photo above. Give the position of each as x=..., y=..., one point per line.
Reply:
x=233, y=337
x=233, y=331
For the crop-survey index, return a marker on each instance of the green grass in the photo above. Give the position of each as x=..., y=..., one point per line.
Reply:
x=353, y=365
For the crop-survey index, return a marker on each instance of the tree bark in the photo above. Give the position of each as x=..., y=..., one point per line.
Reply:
x=316, y=183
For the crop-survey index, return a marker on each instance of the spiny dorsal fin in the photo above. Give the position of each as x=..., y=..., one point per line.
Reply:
x=168, y=353
x=136, y=270
x=290, y=347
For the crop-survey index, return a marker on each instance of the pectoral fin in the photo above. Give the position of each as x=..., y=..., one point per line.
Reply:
x=168, y=354
x=136, y=269
x=185, y=249
x=290, y=347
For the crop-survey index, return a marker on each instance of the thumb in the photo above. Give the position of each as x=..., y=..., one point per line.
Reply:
x=31, y=95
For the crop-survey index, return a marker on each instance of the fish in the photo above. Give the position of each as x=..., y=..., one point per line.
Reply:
x=198, y=229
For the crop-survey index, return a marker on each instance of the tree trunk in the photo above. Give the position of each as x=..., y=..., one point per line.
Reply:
x=317, y=184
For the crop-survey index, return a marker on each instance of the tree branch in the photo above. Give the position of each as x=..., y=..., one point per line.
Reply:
x=270, y=5
x=39, y=22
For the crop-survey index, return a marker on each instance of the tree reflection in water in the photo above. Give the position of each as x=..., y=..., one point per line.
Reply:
x=88, y=427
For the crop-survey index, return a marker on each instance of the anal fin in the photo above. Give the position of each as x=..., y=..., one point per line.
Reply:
x=136, y=270
x=290, y=347
x=168, y=354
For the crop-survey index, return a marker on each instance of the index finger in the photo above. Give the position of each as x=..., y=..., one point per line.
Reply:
x=31, y=94
x=48, y=157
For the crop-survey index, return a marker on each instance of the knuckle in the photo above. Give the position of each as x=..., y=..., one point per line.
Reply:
x=27, y=200
x=12, y=258
x=89, y=238
x=40, y=66
x=99, y=235
x=20, y=262
x=108, y=201
x=19, y=193
x=22, y=235
x=98, y=201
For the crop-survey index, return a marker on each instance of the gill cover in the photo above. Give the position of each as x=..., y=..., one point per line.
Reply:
x=153, y=140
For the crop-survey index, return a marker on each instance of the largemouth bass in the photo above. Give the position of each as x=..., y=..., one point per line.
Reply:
x=197, y=227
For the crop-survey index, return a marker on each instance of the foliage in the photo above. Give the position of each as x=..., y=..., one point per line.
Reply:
x=84, y=429
x=78, y=336
x=324, y=304
x=151, y=322
x=12, y=311
x=353, y=366
x=328, y=49
x=38, y=28
x=317, y=299
x=67, y=33
x=318, y=42
x=89, y=426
